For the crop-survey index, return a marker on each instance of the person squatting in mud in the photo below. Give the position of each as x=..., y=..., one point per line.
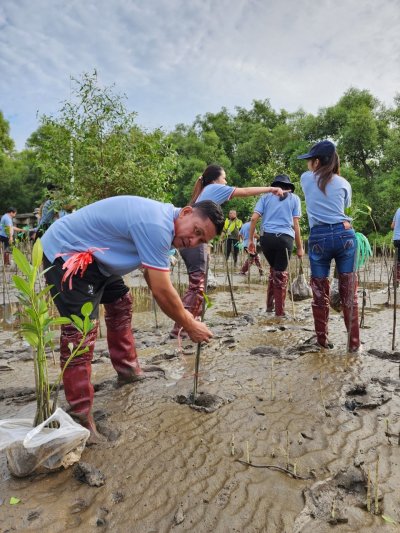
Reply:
x=332, y=236
x=280, y=227
x=396, y=240
x=102, y=242
x=211, y=185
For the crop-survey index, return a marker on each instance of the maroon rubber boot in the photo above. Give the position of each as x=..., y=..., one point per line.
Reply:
x=348, y=284
x=270, y=292
x=280, y=287
x=192, y=300
x=320, y=309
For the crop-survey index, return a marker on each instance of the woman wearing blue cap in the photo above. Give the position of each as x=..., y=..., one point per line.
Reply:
x=327, y=195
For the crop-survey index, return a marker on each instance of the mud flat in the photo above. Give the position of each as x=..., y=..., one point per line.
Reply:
x=322, y=415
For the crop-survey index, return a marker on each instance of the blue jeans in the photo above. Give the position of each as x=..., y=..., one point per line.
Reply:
x=331, y=241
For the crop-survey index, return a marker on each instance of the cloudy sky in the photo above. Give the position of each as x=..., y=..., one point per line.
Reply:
x=176, y=59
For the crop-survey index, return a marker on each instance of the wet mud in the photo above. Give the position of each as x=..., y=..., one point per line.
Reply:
x=301, y=439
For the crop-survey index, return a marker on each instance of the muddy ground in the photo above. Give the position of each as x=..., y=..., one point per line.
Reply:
x=319, y=419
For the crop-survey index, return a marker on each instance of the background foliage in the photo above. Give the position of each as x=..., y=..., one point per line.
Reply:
x=93, y=148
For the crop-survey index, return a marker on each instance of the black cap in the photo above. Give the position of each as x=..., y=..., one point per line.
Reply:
x=282, y=181
x=321, y=150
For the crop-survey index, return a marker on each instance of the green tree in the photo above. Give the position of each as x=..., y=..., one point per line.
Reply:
x=93, y=149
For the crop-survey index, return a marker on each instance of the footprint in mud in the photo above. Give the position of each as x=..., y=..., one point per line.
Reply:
x=205, y=402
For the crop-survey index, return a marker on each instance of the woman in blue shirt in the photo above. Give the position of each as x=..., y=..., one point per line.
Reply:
x=280, y=227
x=327, y=195
x=211, y=185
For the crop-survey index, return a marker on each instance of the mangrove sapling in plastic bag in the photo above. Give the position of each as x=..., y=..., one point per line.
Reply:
x=300, y=289
x=52, y=439
x=44, y=447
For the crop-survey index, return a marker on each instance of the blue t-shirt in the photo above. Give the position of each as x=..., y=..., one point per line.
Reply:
x=277, y=215
x=6, y=221
x=326, y=208
x=245, y=233
x=217, y=192
x=137, y=232
x=396, y=231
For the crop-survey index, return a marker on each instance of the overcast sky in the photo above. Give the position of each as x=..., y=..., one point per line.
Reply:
x=176, y=59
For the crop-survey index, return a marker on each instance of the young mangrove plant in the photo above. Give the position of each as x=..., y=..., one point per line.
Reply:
x=38, y=327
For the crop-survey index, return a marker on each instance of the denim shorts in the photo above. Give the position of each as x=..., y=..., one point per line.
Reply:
x=331, y=241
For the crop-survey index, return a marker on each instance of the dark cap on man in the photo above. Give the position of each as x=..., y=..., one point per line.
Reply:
x=321, y=150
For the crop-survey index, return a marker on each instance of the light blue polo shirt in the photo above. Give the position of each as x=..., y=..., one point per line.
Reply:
x=396, y=231
x=245, y=233
x=137, y=232
x=217, y=192
x=277, y=215
x=6, y=221
x=326, y=208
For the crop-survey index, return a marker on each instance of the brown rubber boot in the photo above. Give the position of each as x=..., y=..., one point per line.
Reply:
x=192, y=300
x=78, y=388
x=7, y=261
x=320, y=309
x=270, y=292
x=120, y=340
x=348, y=284
x=280, y=287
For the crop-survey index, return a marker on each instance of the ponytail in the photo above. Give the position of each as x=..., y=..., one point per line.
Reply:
x=328, y=167
x=210, y=174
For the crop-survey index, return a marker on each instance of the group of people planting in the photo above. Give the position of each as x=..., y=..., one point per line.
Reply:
x=91, y=249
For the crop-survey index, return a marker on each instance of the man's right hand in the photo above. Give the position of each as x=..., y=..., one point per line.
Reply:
x=198, y=331
x=251, y=248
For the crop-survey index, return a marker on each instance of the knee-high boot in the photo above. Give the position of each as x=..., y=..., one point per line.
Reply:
x=193, y=299
x=320, y=309
x=270, y=291
x=280, y=286
x=120, y=339
x=78, y=388
x=348, y=284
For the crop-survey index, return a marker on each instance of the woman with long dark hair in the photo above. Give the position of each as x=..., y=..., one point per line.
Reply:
x=332, y=236
x=280, y=228
x=211, y=185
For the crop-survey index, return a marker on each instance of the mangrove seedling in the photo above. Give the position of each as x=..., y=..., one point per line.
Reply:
x=37, y=326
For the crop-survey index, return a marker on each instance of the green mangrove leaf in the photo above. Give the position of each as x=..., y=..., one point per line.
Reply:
x=44, y=291
x=388, y=519
x=22, y=285
x=49, y=336
x=87, y=309
x=42, y=306
x=31, y=313
x=14, y=500
x=87, y=325
x=37, y=253
x=31, y=338
x=78, y=322
x=27, y=326
x=60, y=321
x=84, y=350
x=22, y=262
x=207, y=300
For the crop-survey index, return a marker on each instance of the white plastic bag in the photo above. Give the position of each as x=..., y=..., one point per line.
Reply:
x=42, y=448
x=300, y=289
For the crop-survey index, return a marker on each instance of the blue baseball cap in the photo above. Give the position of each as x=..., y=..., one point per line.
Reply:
x=321, y=150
